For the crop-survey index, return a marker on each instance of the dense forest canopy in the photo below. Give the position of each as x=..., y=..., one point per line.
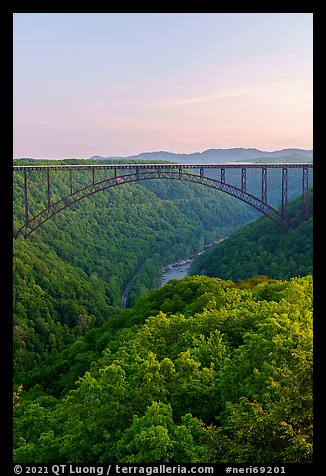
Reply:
x=69, y=275
x=205, y=369
x=202, y=370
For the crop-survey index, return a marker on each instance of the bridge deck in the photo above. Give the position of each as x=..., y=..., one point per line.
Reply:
x=268, y=165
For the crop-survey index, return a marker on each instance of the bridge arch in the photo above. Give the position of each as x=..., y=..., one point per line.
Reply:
x=31, y=224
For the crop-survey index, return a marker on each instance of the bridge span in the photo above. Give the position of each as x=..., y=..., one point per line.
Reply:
x=120, y=174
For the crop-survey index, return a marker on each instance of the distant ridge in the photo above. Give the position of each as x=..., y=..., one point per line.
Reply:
x=219, y=155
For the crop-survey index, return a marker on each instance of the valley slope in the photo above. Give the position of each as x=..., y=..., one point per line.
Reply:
x=70, y=274
x=203, y=370
x=261, y=248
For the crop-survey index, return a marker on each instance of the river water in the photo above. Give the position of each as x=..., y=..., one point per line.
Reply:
x=180, y=269
x=176, y=270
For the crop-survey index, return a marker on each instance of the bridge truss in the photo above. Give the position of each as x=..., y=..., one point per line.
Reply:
x=119, y=174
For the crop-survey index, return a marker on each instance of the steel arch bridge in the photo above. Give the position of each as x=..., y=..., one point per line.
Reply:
x=120, y=174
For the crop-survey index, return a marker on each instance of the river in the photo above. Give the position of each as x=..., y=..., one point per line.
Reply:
x=176, y=270
x=180, y=269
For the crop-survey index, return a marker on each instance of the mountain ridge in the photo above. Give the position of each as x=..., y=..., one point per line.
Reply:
x=215, y=155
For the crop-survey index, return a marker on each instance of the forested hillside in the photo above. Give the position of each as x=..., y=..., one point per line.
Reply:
x=70, y=274
x=261, y=248
x=202, y=370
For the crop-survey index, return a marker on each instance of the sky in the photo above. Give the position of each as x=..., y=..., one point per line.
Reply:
x=118, y=84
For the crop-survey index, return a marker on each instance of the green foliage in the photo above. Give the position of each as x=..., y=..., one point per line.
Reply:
x=202, y=370
x=69, y=275
x=225, y=377
x=261, y=248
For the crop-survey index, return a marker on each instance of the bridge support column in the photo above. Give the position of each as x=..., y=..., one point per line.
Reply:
x=284, y=192
x=305, y=182
x=70, y=181
x=223, y=175
x=49, y=189
x=264, y=185
x=25, y=198
x=243, y=179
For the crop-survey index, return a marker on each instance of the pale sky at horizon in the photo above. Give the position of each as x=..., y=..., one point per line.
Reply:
x=118, y=84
